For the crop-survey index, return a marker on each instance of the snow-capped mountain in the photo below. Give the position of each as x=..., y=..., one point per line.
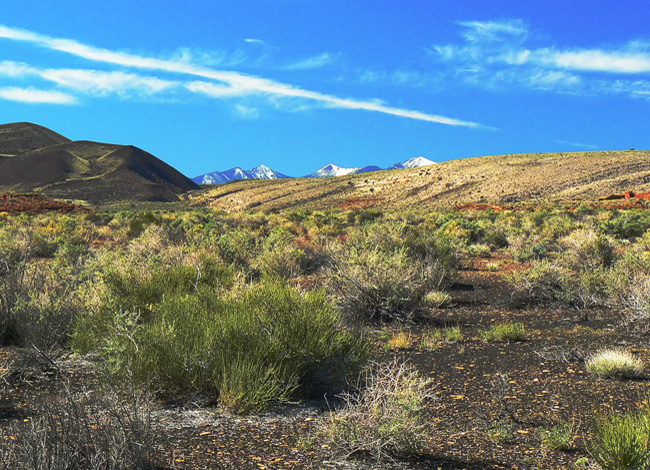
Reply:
x=264, y=172
x=332, y=170
x=257, y=173
x=414, y=162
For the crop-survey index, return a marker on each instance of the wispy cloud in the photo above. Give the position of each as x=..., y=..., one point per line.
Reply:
x=498, y=54
x=101, y=83
x=35, y=96
x=313, y=62
x=578, y=144
x=217, y=83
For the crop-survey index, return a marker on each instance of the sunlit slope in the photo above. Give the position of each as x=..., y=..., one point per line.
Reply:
x=505, y=179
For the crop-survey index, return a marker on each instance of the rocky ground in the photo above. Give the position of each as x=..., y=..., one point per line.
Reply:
x=495, y=400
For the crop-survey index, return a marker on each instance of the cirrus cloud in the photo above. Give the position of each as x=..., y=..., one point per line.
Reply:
x=211, y=82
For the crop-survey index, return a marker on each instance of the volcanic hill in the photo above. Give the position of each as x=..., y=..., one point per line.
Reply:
x=36, y=159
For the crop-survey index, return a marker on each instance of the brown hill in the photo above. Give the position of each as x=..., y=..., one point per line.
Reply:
x=35, y=159
x=501, y=180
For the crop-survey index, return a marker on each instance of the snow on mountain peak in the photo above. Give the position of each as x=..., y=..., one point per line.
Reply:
x=417, y=162
x=332, y=170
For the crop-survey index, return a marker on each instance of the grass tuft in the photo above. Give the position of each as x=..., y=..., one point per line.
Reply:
x=509, y=331
x=614, y=363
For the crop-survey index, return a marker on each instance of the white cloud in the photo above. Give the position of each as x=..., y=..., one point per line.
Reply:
x=98, y=82
x=489, y=31
x=15, y=69
x=577, y=144
x=596, y=60
x=314, y=62
x=35, y=96
x=494, y=55
x=228, y=83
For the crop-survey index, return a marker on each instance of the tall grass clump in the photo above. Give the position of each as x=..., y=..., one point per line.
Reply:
x=614, y=363
x=508, y=331
x=385, y=417
x=249, y=349
x=621, y=442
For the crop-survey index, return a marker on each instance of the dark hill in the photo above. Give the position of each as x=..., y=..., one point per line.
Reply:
x=22, y=137
x=33, y=158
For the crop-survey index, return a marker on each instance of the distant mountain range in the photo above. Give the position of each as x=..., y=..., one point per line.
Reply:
x=329, y=170
x=261, y=172
x=36, y=159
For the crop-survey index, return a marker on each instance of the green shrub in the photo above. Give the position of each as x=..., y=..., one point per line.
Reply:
x=461, y=229
x=620, y=442
x=250, y=349
x=627, y=224
x=614, y=363
x=509, y=331
x=386, y=418
x=372, y=284
x=543, y=283
x=587, y=249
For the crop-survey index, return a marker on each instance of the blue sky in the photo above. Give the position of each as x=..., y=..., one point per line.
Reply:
x=295, y=84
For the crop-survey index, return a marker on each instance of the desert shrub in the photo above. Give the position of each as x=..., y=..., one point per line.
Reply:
x=13, y=269
x=543, y=283
x=363, y=216
x=139, y=222
x=37, y=299
x=508, y=331
x=83, y=430
x=614, y=363
x=249, y=350
x=136, y=289
x=524, y=248
x=374, y=284
x=590, y=288
x=279, y=256
x=587, y=249
x=461, y=229
x=627, y=224
x=480, y=250
x=621, y=441
x=236, y=247
x=386, y=417
x=496, y=236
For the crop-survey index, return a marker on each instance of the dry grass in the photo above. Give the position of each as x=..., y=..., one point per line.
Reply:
x=614, y=363
x=502, y=179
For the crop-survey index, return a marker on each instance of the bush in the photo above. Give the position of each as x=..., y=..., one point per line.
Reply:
x=386, y=417
x=79, y=430
x=621, y=441
x=251, y=349
x=614, y=363
x=376, y=285
x=587, y=250
x=627, y=224
x=543, y=283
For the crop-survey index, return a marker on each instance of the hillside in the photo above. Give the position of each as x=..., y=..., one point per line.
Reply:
x=36, y=159
x=503, y=180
